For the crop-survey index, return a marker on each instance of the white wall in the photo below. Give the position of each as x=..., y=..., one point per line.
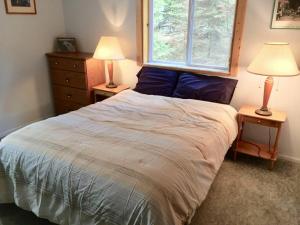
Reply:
x=89, y=21
x=25, y=94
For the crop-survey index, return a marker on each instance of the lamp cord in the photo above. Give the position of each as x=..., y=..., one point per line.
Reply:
x=262, y=81
x=278, y=82
x=270, y=139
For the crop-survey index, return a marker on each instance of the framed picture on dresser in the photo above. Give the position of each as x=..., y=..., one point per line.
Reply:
x=20, y=6
x=66, y=44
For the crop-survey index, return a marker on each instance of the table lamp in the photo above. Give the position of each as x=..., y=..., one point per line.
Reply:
x=274, y=60
x=109, y=49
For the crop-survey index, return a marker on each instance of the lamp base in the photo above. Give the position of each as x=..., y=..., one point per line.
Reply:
x=263, y=112
x=110, y=68
x=111, y=85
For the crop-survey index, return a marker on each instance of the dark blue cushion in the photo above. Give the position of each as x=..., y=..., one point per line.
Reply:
x=205, y=88
x=156, y=81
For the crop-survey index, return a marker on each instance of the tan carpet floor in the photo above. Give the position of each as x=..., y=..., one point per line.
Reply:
x=244, y=193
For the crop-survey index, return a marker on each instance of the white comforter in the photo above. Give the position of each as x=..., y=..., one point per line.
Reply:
x=132, y=159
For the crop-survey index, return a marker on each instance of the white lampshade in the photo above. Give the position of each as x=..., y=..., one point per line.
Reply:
x=109, y=49
x=275, y=59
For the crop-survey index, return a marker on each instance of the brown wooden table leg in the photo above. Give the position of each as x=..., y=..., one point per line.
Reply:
x=272, y=163
x=240, y=134
x=274, y=153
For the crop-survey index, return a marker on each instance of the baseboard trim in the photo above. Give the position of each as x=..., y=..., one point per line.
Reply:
x=289, y=158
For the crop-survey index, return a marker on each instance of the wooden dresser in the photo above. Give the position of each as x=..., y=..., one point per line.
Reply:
x=73, y=77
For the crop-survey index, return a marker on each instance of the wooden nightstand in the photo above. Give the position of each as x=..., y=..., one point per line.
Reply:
x=101, y=92
x=247, y=115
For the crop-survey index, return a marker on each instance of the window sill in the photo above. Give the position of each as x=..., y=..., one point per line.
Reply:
x=196, y=70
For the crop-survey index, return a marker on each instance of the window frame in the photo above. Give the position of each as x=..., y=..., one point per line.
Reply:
x=143, y=41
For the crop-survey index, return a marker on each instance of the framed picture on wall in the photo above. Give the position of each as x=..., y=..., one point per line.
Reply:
x=20, y=6
x=286, y=14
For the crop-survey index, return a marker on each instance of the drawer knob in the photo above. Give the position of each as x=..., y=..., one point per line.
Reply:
x=67, y=80
x=69, y=96
x=75, y=65
x=56, y=63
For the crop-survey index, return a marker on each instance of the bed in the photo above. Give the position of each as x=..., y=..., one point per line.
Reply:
x=133, y=159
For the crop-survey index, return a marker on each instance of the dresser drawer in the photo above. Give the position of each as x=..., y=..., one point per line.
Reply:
x=263, y=122
x=70, y=79
x=62, y=107
x=67, y=64
x=71, y=95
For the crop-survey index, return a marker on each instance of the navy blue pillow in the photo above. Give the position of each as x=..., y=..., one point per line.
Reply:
x=156, y=81
x=205, y=88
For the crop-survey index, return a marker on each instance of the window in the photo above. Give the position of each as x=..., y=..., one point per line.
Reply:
x=202, y=35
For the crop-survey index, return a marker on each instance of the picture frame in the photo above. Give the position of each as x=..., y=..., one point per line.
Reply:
x=66, y=44
x=20, y=7
x=286, y=14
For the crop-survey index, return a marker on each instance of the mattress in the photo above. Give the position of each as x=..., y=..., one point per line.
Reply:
x=132, y=159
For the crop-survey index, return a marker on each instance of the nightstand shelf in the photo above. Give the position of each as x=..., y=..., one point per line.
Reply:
x=101, y=92
x=256, y=150
x=247, y=115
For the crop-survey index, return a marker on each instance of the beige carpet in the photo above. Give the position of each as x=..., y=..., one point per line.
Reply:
x=244, y=193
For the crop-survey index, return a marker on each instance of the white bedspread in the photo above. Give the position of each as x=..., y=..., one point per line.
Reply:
x=131, y=160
